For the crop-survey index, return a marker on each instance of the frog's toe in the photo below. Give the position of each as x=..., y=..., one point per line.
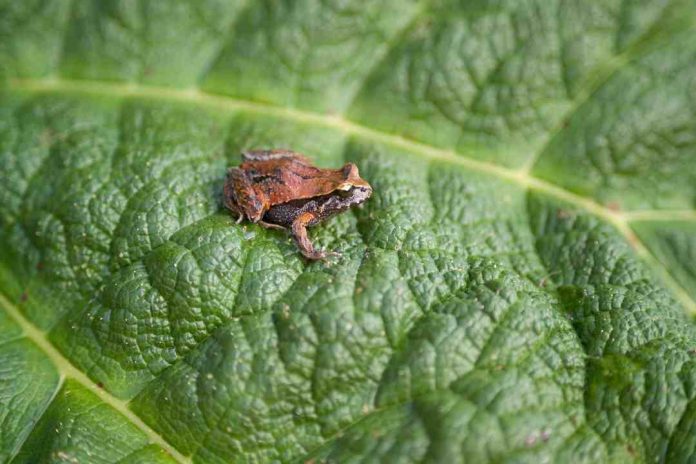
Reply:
x=317, y=255
x=314, y=255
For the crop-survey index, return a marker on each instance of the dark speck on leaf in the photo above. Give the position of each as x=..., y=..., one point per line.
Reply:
x=530, y=440
x=614, y=206
x=563, y=214
x=545, y=435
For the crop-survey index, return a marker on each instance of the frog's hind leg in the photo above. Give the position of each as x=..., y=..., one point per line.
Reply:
x=241, y=196
x=229, y=200
x=299, y=233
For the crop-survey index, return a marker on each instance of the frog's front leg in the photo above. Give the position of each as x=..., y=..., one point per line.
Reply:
x=233, y=208
x=299, y=233
x=269, y=225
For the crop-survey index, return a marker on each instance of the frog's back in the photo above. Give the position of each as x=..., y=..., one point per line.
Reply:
x=285, y=179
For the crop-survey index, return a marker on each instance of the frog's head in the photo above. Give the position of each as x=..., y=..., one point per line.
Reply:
x=353, y=188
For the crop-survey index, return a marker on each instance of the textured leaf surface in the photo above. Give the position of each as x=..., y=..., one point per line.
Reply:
x=518, y=289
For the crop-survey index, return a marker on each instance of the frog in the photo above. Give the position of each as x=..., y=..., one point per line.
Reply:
x=282, y=189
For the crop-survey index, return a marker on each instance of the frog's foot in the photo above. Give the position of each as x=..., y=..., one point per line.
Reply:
x=316, y=255
x=299, y=233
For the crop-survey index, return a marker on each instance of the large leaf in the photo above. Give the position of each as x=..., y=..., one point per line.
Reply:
x=517, y=289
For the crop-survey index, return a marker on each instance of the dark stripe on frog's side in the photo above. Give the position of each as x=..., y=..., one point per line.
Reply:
x=285, y=213
x=267, y=178
x=311, y=176
x=321, y=207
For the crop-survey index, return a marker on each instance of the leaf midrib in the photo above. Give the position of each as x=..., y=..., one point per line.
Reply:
x=67, y=370
x=619, y=219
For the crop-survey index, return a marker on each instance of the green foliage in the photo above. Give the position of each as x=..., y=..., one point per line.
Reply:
x=515, y=291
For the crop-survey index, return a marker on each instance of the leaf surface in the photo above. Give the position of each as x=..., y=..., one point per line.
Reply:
x=518, y=289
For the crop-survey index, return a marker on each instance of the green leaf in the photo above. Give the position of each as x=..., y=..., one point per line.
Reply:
x=518, y=289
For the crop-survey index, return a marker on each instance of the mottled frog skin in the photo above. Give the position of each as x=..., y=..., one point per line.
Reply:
x=282, y=189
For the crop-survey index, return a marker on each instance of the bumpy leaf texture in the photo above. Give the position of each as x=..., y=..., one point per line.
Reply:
x=517, y=289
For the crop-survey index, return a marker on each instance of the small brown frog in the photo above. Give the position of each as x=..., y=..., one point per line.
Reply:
x=282, y=189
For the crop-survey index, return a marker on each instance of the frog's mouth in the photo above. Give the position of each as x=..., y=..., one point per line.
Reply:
x=359, y=194
x=356, y=194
